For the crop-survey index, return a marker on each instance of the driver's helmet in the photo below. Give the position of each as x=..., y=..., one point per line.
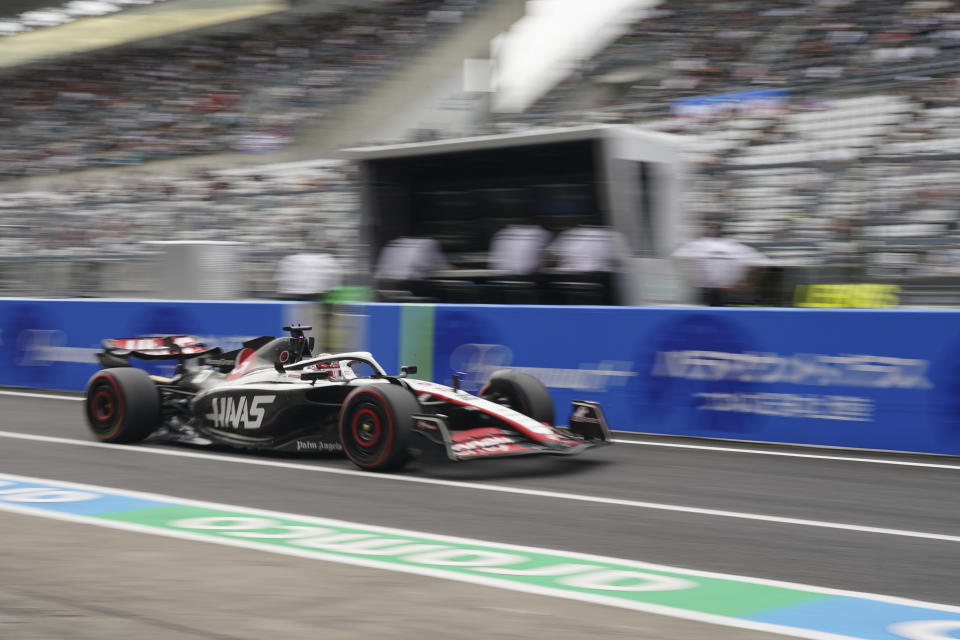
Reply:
x=331, y=368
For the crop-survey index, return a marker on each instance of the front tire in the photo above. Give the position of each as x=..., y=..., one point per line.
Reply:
x=122, y=405
x=521, y=392
x=375, y=426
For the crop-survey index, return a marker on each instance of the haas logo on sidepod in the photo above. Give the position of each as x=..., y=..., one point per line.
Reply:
x=235, y=413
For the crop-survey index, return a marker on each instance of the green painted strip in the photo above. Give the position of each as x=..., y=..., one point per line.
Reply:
x=797, y=610
x=416, y=338
x=534, y=568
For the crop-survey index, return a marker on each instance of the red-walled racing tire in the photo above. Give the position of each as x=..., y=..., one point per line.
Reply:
x=122, y=405
x=375, y=426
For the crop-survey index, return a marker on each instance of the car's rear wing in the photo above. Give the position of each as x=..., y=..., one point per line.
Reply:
x=118, y=351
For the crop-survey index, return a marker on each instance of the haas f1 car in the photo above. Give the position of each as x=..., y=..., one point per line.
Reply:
x=273, y=394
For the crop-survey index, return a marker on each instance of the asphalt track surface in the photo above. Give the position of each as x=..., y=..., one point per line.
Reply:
x=867, y=522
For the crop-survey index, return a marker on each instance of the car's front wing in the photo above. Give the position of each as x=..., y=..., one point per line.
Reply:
x=495, y=442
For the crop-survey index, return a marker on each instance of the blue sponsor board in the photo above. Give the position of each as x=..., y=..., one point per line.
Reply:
x=878, y=379
x=382, y=335
x=51, y=344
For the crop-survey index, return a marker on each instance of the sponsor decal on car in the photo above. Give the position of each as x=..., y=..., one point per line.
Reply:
x=477, y=443
x=492, y=443
x=495, y=450
x=235, y=412
x=316, y=445
x=144, y=344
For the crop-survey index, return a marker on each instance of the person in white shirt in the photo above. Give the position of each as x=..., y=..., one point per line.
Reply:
x=518, y=249
x=588, y=248
x=405, y=263
x=718, y=266
x=591, y=255
x=307, y=276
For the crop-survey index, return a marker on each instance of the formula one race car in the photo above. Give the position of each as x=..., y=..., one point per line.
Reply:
x=272, y=394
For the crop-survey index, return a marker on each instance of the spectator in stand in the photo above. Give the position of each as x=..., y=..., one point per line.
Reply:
x=251, y=90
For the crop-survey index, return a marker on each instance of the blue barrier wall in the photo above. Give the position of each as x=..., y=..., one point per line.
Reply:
x=878, y=379
x=51, y=344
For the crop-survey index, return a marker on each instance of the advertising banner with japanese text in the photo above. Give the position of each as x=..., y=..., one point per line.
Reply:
x=877, y=379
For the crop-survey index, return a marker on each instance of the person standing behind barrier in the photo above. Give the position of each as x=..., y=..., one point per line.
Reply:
x=516, y=258
x=518, y=250
x=404, y=265
x=585, y=263
x=718, y=267
x=307, y=276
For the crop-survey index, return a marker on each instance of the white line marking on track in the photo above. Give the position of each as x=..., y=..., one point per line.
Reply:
x=651, y=443
x=31, y=394
x=574, y=555
x=789, y=454
x=477, y=486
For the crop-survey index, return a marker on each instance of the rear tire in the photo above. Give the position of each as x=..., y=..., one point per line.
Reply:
x=521, y=392
x=375, y=426
x=122, y=405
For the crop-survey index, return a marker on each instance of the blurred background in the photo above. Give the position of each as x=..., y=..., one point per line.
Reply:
x=192, y=148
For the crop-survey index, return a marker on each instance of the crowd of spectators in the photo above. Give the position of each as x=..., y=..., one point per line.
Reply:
x=853, y=162
x=251, y=89
x=683, y=48
x=281, y=210
x=798, y=175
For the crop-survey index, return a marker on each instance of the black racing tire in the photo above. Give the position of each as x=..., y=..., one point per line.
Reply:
x=122, y=405
x=375, y=426
x=521, y=392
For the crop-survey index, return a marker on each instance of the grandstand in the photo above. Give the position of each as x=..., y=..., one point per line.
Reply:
x=107, y=137
x=852, y=163
x=823, y=132
x=252, y=88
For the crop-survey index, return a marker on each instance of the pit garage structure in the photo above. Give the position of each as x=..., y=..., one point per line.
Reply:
x=461, y=191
